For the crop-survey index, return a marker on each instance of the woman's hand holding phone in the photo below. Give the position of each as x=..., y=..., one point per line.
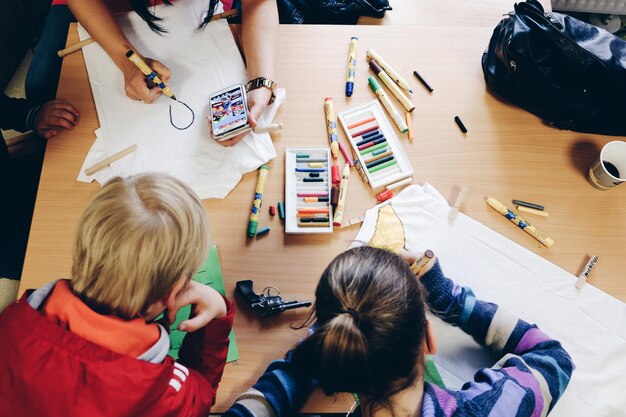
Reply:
x=257, y=103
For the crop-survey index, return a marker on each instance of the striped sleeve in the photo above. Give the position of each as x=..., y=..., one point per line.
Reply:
x=279, y=392
x=534, y=369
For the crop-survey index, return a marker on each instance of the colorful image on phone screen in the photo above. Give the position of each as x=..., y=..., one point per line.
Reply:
x=228, y=111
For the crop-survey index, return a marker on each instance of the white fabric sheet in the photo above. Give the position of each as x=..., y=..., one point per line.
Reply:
x=589, y=323
x=202, y=62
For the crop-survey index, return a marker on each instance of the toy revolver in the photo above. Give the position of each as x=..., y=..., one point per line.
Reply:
x=267, y=302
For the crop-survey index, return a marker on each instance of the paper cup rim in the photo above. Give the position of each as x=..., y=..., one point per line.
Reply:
x=602, y=160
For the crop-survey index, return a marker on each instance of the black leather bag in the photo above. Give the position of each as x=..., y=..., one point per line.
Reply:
x=569, y=73
x=330, y=11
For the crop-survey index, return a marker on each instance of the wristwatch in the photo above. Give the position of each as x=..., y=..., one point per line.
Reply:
x=263, y=82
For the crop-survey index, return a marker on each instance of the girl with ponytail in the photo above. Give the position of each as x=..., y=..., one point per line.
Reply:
x=370, y=335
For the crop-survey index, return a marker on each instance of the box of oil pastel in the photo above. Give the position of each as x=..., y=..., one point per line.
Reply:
x=307, y=191
x=380, y=158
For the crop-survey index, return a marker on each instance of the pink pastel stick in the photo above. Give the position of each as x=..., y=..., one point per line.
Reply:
x=345, y=154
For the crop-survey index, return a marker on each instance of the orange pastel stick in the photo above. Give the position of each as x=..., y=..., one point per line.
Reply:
x=361, y=122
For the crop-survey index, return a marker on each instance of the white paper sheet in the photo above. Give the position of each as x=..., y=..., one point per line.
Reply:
x=589, y=323
x=201, y=62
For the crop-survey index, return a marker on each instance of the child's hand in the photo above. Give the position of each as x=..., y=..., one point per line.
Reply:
x=135, y=81
x=412, y=257
x=257, y=103
x=55, y=116
x=207, y=304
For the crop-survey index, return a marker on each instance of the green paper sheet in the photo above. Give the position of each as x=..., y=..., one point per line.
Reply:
x=210, y=273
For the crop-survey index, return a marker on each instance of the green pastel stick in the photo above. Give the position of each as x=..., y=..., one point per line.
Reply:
x=382, y=166
x=373, y=148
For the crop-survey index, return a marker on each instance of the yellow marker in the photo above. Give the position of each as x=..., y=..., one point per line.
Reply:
x=331, y=126
x=389, y=70
x=351, y=66
x=149, y=73
x=395, y=90
x=521, y=223
x=343, y=191
x=258, y=200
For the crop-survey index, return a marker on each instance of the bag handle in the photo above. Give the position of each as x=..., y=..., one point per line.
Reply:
x=531, y=8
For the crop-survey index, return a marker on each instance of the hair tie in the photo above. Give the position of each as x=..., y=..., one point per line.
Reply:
x=354, y=314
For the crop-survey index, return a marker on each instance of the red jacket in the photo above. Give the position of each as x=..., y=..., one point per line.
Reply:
x=46, y=370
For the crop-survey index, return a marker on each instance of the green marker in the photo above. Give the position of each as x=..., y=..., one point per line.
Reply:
x=388, y=105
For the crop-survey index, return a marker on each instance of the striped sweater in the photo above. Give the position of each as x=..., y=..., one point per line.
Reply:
x=527, y=381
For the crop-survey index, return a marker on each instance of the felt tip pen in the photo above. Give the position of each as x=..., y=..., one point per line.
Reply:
x=395, y=90
x=388, y=105
x=582, y=278
x=343, y=191
x=258, y=199
x=149, y=73
x=331, y=126
x=351, y=66
x=371, y=54
x=519, y=222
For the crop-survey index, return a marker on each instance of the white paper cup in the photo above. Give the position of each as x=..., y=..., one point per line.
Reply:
x=609, y=170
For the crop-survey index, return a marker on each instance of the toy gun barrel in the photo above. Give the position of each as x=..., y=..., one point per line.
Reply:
x=295, y=304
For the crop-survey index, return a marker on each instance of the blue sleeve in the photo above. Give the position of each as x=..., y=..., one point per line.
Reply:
x=279, y=392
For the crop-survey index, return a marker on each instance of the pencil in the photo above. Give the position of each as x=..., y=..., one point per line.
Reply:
x=108, y=161
x=268, y=128
x=74, y=47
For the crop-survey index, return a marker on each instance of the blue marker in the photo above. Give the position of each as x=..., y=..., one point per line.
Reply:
x=351, y=66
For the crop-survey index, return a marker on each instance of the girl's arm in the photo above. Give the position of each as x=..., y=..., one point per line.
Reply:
x=98, y=20
x=534, y=369
x=260, y=41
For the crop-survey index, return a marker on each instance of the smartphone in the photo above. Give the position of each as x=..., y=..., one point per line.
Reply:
x=229, y=112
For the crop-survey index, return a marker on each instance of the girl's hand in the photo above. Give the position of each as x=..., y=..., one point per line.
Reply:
x=411, y=257
x=207, y=304
x=135, y=82
x=257, y=103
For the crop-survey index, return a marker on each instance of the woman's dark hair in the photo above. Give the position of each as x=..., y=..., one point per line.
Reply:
x=371, y=326
x=142, y=8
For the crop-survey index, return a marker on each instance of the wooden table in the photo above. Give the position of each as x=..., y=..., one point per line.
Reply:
x=508, y=153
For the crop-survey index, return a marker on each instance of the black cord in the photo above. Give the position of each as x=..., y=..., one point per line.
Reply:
x=193, y=117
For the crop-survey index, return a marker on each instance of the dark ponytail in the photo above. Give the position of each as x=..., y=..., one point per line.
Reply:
x=371, y=322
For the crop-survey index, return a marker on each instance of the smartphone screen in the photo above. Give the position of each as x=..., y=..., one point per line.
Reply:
x=228, y=110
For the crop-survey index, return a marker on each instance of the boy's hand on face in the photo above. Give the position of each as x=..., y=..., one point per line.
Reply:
x=207, y=304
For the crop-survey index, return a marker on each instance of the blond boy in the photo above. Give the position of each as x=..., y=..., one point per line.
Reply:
x=88, y=346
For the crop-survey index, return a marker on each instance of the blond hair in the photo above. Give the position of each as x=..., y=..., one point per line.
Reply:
x=135, y=241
